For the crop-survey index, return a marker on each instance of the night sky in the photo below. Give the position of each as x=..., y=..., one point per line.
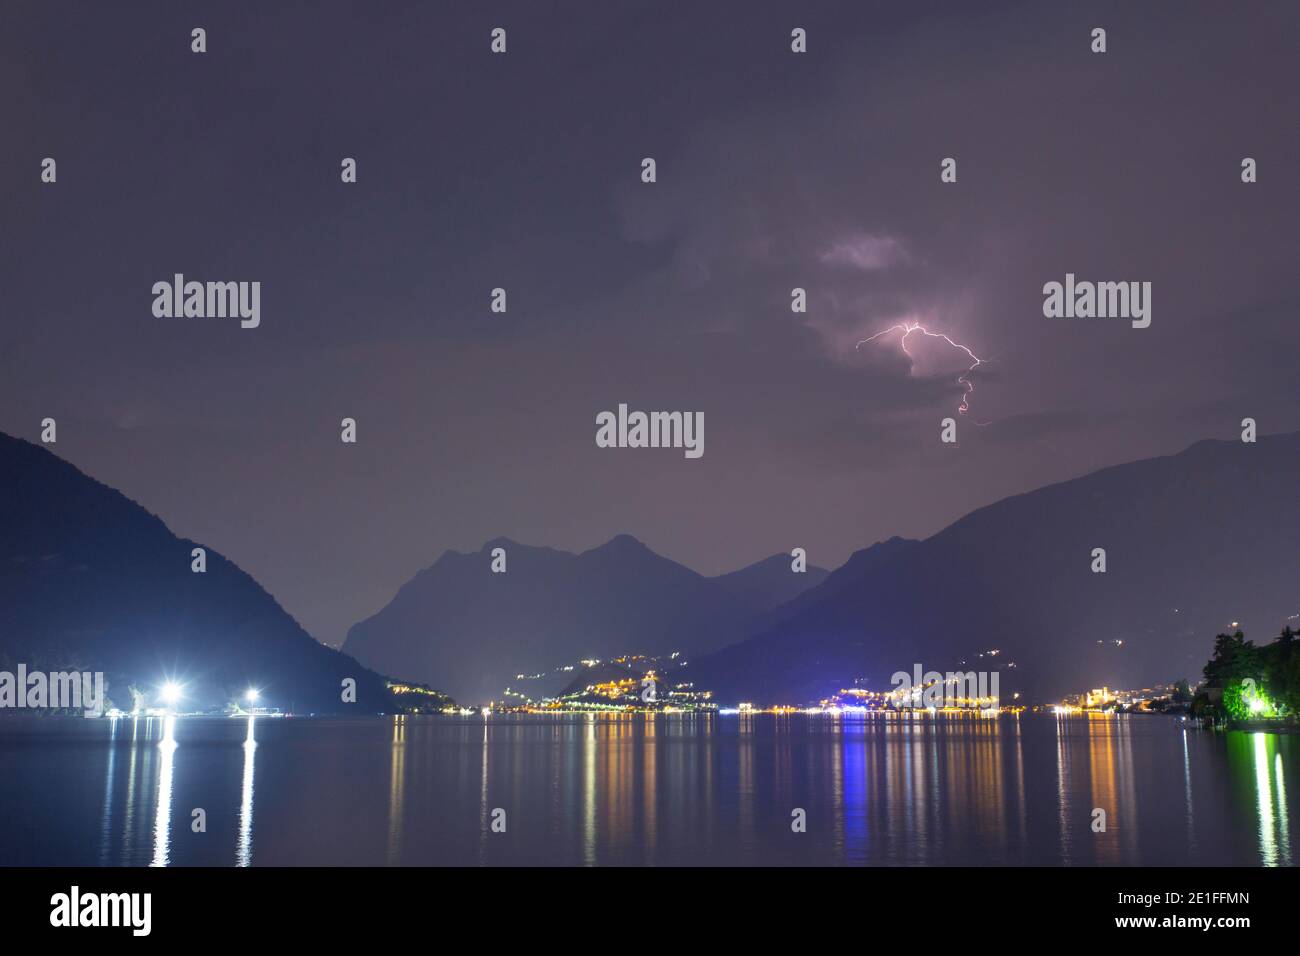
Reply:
x=522, y=171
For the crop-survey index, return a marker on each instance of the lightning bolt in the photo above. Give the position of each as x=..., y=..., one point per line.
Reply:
x=907, y=328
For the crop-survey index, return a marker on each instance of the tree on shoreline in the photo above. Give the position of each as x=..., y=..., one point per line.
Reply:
x=1244, y=681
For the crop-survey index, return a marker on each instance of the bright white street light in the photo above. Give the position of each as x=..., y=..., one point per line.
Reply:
x=252, y=694
x=171, y=692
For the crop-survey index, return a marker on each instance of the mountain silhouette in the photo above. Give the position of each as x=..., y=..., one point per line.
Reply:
x=471, y=631
x=1193, y=542
x=89, y=580
x=769, y=583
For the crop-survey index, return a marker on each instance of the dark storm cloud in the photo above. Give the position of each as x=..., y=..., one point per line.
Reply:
x=521, y=171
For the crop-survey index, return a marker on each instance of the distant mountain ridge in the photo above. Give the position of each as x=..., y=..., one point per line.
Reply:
x=89, y=580
x=471, y=631
x=1193, y=542
x=769, y=583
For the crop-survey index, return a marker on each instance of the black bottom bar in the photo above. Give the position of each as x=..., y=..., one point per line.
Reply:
x=981, y=906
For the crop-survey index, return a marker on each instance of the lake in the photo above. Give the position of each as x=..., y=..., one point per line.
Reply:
x=632, y=790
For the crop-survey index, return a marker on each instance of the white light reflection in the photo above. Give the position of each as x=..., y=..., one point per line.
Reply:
x=244, y=850
x=163, y=817
x=106, y=822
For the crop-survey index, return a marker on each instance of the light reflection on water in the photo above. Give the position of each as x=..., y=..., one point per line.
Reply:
x=244, y=850
x=396, y=788
x=163, y=815
x=590, y=790
x=1270, y=791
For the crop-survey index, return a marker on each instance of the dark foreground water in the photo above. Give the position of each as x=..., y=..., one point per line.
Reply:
x=637, y=790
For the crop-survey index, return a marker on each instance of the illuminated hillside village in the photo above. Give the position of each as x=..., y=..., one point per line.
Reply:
x=641, y=684
x=1243, y=684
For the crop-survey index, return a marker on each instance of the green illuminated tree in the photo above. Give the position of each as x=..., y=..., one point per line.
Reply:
x=1234, y=658
x=1255, y=681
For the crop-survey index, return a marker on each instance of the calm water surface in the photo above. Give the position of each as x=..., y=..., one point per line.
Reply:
x=638, y=790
